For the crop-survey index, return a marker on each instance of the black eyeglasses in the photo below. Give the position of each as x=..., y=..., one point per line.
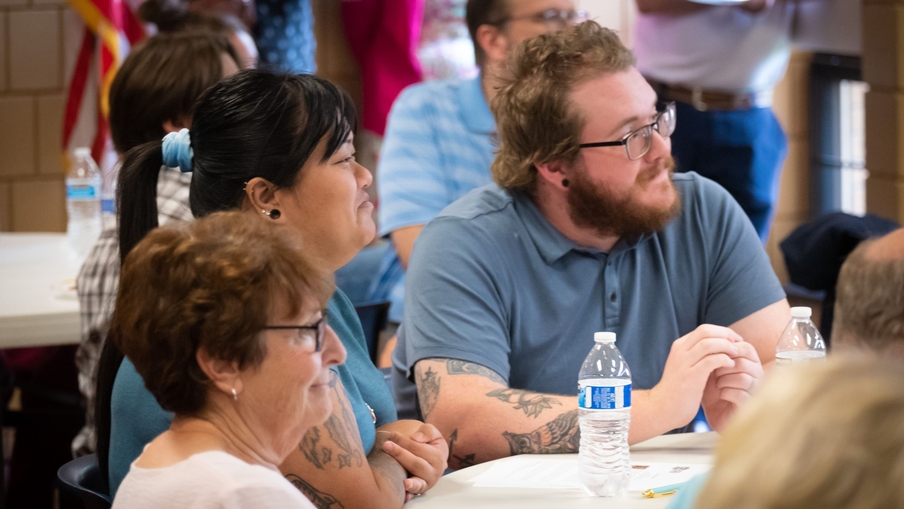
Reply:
x=637, y=143
x=554, y=19
x=302, y=337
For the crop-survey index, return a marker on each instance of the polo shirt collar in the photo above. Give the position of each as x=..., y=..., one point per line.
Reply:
x=474, y=110
x=551, y=243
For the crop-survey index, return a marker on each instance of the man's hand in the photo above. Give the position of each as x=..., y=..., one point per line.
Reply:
x=692, y=359
x=423, y=453
x=729, y=388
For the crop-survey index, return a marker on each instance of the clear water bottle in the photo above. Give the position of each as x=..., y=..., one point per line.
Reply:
x=800, y=342
x=83, y=185
x=604, y=408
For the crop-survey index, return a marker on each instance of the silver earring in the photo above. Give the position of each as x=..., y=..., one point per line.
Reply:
x=265, y=212
x=235, y=395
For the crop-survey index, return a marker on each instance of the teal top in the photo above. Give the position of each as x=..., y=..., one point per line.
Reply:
x=136, y=418
x=687, y=495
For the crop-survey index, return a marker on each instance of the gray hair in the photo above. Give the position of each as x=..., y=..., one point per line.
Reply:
x=869, y=310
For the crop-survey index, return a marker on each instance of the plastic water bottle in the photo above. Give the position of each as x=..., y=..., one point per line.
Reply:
x=108, y=198
x=800, y=342
x=83, y=202
x=604, y=409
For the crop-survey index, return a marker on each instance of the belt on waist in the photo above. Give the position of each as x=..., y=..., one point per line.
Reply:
x=703, y=100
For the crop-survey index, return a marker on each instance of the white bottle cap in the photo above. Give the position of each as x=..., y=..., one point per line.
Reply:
x=801, y=312
x=82, y=152
x=604, y=337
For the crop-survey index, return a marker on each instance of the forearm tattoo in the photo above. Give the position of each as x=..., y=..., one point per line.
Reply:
x=531, y=403
x=427, y=391
x=458, y=367
x=561, y=435
x=339, y=430
x=320, y=499
x=461, y=461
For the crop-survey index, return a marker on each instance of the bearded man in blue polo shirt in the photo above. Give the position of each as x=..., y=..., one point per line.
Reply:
x=588, y=230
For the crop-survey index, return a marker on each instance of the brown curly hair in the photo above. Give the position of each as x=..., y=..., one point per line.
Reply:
x=210, y=284
x=534, y=117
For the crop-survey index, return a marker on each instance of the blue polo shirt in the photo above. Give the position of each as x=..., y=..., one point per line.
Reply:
x=494, y=283
x=437, y=148
x=136, y=418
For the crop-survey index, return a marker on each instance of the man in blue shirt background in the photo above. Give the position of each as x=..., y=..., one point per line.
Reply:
x=590, y=231
x=438, y=144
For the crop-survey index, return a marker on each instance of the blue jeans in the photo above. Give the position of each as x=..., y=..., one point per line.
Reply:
x=742, y=150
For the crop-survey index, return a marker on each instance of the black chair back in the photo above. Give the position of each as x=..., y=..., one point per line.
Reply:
x=374, y=316
x=81, y=478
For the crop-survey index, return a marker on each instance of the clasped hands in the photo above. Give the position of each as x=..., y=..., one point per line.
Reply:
x=712, y=366
x=421, y=450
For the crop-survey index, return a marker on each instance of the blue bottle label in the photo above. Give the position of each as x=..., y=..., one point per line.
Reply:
x=604, y=398
x=81, y=192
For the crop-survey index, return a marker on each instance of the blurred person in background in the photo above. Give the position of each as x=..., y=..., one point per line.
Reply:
x=827, y=436
x=720, y=64
x=153, y=94
x=869, y=305
x=224, y=319
x=168, y=16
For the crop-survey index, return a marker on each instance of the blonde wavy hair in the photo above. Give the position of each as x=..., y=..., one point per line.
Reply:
x=534, y=117
x=821, y=436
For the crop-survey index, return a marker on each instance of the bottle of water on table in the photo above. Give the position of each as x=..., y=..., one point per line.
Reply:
x=604, y=408
x=83, y=202
x=800, y=342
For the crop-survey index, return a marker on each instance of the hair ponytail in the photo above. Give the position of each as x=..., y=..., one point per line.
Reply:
x=136, y=194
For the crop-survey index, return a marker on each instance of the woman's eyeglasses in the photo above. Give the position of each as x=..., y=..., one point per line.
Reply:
x=303, y=334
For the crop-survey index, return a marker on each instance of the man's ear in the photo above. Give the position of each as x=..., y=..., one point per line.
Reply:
x=493, y=42
x=262, y=196
x=224, y=375
x=555, y=174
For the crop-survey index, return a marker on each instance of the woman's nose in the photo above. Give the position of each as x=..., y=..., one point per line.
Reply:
x=333, y=350
x=364, y=176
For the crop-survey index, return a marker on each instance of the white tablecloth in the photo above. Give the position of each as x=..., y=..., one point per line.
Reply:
x=38, y=305
x=454, y=491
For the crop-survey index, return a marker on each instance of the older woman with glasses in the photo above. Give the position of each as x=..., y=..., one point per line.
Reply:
x=224, y=320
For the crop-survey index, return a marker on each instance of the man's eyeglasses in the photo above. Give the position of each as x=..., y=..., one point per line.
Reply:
x=555, y=19
x=302, y=336
x=637, y=143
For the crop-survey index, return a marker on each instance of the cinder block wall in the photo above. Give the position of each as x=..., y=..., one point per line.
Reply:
x=32, y=41
x=883, y=69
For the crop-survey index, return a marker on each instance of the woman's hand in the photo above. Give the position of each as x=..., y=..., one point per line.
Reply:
x=423, y=453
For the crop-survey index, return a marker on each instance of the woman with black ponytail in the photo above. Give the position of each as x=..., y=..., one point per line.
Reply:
x=280, y=146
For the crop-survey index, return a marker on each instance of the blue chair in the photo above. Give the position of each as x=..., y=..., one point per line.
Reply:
x=81, y=478
x=374, y=316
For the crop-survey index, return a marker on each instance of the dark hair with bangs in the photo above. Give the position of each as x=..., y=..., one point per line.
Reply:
x=153, y=87
x=253, y=124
